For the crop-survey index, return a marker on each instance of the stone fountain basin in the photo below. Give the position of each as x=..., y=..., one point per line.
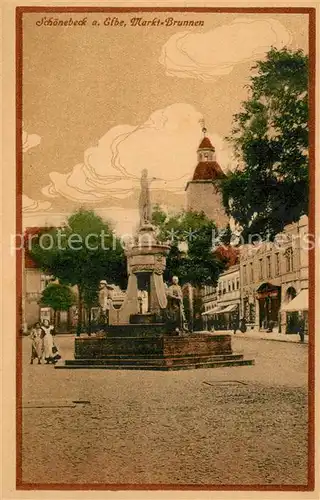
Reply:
x=200, y=344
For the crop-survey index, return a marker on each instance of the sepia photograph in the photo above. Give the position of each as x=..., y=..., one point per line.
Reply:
x=165, y=242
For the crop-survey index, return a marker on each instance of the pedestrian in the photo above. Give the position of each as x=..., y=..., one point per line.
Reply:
x=37, y=343
x=51, y=354
x=235, y=324
x=300, y=328
x=243, y=326
x=270, y=326
x=47, y=327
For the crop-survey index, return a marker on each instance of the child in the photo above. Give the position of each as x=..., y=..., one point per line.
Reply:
x=37, y=343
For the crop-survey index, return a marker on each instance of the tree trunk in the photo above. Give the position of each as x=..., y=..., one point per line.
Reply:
x=80, y=309
x=89, y=321
x=55, y=319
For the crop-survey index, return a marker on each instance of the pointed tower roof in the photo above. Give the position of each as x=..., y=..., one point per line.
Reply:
x=207, y=169
x=205, y=143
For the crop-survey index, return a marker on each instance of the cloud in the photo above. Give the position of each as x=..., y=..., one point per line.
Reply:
x=215, y=53
x=165, y=144
x=29, y=141
x=29, y=205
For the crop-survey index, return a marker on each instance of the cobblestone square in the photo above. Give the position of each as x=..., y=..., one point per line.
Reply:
x=225, y=426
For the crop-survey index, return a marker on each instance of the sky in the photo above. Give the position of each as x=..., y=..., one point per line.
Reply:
x=102, y=103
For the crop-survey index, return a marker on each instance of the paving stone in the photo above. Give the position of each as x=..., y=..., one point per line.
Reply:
x=249, y=426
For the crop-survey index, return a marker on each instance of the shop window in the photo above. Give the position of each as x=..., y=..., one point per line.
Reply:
x=252, y=313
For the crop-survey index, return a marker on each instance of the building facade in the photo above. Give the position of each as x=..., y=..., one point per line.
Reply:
x=272, y=274
x=221, y=304
x=34, y=281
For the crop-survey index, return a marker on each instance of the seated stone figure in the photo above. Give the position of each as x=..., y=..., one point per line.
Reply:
x=175, y=309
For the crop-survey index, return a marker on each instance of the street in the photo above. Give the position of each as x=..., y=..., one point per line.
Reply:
x=225, y=426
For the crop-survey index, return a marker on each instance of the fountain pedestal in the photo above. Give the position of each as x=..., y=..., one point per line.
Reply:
x=141, y=341
x=146, y=262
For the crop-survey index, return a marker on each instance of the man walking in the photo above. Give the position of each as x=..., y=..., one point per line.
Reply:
x=300, y=327
x=235, y=324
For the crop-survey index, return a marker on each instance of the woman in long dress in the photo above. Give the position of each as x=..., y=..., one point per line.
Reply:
x=51, y=354
x=37, y=343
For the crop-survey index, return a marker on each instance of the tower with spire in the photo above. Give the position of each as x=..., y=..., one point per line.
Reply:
x=202, y=192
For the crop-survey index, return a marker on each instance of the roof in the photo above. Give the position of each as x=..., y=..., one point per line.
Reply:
x=208, y=170
x=206, y=144
x=29, y=232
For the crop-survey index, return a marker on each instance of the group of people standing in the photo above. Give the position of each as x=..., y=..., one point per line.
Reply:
x=43, y=345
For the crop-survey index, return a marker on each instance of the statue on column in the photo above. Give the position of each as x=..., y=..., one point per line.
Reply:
x=175, y=307
x=144, y=200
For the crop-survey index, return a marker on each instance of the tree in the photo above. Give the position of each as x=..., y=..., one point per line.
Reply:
x=191, y=257
x=90, y=299
x=270, y=140
x=199, y=253
x=81, y=253
x=229, y=255
x=58, y=297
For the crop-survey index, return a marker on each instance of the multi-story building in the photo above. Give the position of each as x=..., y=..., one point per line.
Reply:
x=222, y=303
x=34, y=281
x=272, y=274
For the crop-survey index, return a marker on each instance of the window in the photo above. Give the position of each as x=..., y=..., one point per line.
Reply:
x=289, y=260
x=44, y=281
x=229, y=286
x=238, y=284
x=244, y=274
x=233, y=285
x=268, y=266
x=260, y=269
x=277, y=264
x=252, y=313
x=251, y=272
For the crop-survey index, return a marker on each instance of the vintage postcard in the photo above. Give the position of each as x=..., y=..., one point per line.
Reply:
x=164, y=249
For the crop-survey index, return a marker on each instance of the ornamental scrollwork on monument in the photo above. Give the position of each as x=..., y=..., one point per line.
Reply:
x=157, y=269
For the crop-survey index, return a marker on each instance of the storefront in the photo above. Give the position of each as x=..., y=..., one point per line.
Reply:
x=298, y=305
x=222, y=317
x=269, y=298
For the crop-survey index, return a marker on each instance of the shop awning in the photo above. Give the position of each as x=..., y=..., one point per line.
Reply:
x=230, y=308
x=214, y=310
x=221, y=309
x=299, y=303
